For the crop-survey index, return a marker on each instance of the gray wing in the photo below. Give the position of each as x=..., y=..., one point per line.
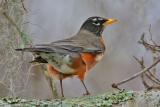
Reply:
x=68, y=45
x=61, y=57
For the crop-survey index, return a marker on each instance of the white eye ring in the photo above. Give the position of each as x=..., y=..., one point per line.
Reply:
x=97, y=24
x=95, y=19
x=100, y=18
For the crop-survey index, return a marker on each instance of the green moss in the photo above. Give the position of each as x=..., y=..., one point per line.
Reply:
x=103, y=100
x=25, y=39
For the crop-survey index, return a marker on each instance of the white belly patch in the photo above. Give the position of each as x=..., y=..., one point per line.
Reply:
x=99, y=57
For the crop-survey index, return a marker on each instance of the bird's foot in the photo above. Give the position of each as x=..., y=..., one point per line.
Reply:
x=87, y=93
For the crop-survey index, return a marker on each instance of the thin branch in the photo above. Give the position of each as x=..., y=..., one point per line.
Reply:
x=150, y=78
x=154, y=87
x=154, y=77
x=22, y=1
x=151, y=35
x=146, y=85
x=136, y=74
x=149, y=75
x=11, y=21
x=141, y=62
x=147, y=45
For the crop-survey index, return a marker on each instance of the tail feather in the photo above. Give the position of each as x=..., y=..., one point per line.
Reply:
x=26, y=49
x=19, y=49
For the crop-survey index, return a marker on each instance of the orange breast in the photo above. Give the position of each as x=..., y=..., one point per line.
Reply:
x=89, y=59
x=81, y=65
x=56, y=74
x=53, y=72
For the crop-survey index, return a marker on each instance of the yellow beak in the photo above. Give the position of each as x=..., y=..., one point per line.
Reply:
x=109, y=21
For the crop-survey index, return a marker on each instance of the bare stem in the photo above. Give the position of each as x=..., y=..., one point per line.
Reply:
x=137, y=74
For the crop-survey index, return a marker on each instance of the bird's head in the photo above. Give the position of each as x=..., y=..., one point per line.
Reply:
x=96, y=24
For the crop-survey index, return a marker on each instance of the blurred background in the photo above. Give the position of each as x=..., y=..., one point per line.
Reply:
x=51, y=20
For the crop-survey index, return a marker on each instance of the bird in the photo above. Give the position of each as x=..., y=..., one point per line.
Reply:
x=75, y=55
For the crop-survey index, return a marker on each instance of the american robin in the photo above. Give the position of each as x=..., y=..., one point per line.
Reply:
x=76, y=55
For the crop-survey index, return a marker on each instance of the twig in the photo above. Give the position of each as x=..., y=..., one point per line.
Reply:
x=153, y=87
x=153, y=80
x=146, y=85
x=12, y=22
x=149, y=76
x=115, y=85
x=154, y=76
x=22, y=1
x=151, y=35
x=152, y=47
x=141, y=62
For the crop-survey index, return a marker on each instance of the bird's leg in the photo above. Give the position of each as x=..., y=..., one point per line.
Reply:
x=51, y=85
x=61, y=88
x=87, y=92
x=50, y=82
x=53, y=88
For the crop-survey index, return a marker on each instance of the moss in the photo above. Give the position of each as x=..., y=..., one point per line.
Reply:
x=103, y=100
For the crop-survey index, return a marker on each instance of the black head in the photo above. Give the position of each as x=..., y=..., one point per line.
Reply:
x=96, y=24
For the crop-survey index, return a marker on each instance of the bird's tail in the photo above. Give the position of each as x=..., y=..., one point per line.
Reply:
x=27, y=49
x=19, y=49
